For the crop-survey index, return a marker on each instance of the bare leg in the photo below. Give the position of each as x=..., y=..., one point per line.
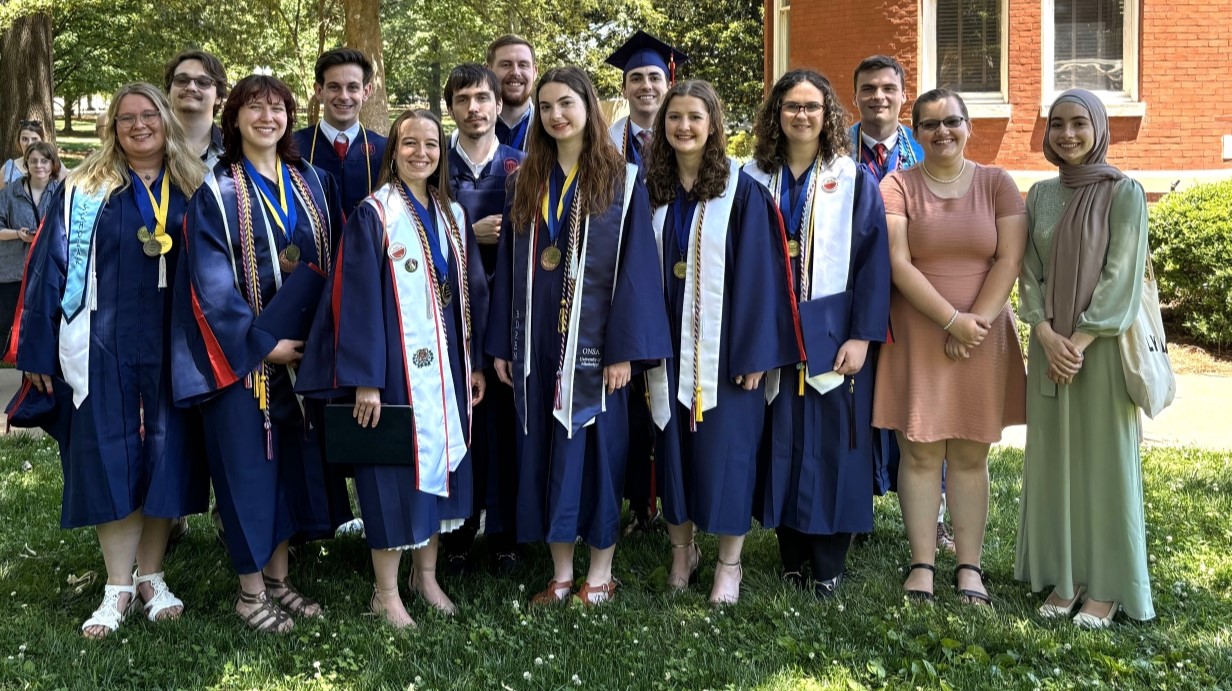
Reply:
x=967, y=487
x=685, y=555
x=562, y=575
x=385, y=601
x=287, y=596
x=150, y=551
x=919, y=496
x=423, y=579
x=728, y=572
x=118, y=540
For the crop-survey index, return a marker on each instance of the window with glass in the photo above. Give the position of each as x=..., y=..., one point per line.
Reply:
x=1089, y=45
x=968, y=45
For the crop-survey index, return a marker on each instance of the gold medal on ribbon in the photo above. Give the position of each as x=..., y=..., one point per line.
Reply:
x=680, y=269
x=446, y=293
x=143, y=234
x=550, y=258
x=292, y=253
x=164, y=243
x=152, y=248
x=793, y=248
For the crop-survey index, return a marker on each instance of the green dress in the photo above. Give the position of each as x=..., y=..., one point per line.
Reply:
x=1081, y=515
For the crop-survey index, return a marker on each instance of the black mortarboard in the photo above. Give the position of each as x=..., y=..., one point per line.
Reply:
x=642, y=50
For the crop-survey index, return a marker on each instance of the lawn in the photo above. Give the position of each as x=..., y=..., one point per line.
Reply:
x=775, y=638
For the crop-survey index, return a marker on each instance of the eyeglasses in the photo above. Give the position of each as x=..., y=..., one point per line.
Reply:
x=203, y=82
x=29, y=123
x=952, y=122
x=128, y=120
x=793, y=108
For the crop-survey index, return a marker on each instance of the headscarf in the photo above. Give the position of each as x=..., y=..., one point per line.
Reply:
x=1080, y=241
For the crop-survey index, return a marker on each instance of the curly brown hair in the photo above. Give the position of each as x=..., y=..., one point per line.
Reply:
x=661, y=173
x=770, y=151
x=600, y=168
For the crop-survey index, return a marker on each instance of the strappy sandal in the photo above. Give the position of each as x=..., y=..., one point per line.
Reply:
x=291, y=599
x=451, y=610
x=109, y=615
x=729, y=599
x=679, y=585
x=267, y=617
x=162, y=600
x=551, y=594
x=607, y=591
x=974, y=597
x=380, y=610
x=919, y=595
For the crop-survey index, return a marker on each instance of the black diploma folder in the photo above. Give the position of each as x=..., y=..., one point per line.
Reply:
x=825, y=324
x=391, y=442
x=289, y=314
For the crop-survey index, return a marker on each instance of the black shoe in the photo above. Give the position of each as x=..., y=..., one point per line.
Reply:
x=794, y=578
x=919, y=595
x=456, y=565
x=824, y=590
x=506, y=563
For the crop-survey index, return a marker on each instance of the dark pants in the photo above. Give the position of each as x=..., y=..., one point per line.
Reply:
x=640, y=488
x=827, y=553
x=9, y=292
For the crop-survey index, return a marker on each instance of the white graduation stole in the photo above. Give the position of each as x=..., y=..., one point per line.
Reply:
x=441, y=442
x=81, y=212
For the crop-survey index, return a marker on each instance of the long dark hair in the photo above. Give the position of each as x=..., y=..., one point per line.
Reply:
x=256, y=87
x=661, y=173
x=438, y=184
x=599, y=166
x=770, y=151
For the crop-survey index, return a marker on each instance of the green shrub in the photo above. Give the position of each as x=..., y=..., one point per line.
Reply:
x=740, y=145
x=1191, y=234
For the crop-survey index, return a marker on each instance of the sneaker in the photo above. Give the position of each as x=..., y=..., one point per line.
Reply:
x=354, y=526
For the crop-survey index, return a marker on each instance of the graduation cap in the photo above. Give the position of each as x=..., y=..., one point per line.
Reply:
x=643, y=50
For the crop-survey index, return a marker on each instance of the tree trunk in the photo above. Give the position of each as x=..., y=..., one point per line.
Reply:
x=70, y=104
x=434, y=77
x=363, y=32
x=25, y=79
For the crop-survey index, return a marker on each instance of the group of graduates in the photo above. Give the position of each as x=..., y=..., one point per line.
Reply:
x=537, y=318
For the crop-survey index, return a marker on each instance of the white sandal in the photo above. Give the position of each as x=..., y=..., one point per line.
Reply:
x=109, y=615
x=163, y=599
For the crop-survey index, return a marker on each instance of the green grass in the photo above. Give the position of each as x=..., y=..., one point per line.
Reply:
x=775, y=638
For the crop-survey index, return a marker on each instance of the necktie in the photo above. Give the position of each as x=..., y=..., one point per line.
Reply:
x=880, y=151
x=340, y=146
x=643, y=139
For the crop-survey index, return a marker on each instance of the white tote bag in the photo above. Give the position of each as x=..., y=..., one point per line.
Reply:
x=1144, y=353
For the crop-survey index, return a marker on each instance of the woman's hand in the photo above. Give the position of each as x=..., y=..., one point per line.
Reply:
x=367, y=410
x=617, y=376
x=286, y=352
x=955, y=350
x=25, y=235
x=969, y=329
x=1064, y=358
x=41, y=382
x=749, y=381
x=479, y=385
x=504, y=371
x=851, y=356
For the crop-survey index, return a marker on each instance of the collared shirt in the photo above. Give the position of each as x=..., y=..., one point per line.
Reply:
x=476, y=166
x=331, y=132
x=889, y=141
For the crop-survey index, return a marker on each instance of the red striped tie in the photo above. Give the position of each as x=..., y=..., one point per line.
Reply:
x=340, y=146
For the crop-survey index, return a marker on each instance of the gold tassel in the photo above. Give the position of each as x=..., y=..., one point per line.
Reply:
x=697, y=404
x=800, y=389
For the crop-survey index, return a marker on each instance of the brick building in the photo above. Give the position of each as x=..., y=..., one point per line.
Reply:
x=1159, y=65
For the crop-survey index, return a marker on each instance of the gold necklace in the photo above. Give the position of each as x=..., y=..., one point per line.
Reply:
x=945, y=182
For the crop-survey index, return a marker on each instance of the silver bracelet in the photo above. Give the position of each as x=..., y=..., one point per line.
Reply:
x=950, y=323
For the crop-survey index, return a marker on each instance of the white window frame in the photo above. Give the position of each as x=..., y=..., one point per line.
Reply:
x=980, y=104
x=781, y=55
x=1124, y=103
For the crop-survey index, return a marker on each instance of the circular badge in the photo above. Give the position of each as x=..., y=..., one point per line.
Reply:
x=829, y=184
x=511, y=164
x=397, y=251
x=411, y=265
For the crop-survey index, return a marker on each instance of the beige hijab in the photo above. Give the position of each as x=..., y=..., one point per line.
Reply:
x=1080, y=241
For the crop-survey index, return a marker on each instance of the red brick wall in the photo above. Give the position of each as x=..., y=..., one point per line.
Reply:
x=1184, y=50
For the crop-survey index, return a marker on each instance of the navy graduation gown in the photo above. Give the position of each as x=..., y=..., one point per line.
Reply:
x=351, y=174
x=571, y=487
x=356, y=341
x=815, y=477
x=518, y=136
x=709, y=474
x=262, y=501
x=113, y=464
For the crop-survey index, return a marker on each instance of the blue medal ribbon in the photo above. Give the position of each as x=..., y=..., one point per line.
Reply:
x=794, y=206
x=559, y=199
x=428, y=218
x=285, y=214
x=146, y=198
x=518, y=134
x=682, y=211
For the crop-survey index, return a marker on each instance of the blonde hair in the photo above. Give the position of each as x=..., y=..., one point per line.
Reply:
x=106, y=170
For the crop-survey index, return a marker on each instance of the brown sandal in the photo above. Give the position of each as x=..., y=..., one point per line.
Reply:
x=549, y=596
x=267, y=617
x=607, y=590
x=291, y=599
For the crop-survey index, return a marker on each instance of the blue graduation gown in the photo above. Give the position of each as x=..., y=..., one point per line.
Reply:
x=709, y=474
x=815, y=478
x=571, y=487
x=114, y=465
x=352, y=174
x=360, y=315
x=518, y=136
x=494, y=455
x=262, y=501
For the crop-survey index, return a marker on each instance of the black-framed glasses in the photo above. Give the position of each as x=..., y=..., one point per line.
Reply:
x=128, y=120
x=29, y=123
x=793, y=108
x=203, y=81
x=952, y=122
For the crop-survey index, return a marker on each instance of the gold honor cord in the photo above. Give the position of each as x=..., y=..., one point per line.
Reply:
x=697, y=316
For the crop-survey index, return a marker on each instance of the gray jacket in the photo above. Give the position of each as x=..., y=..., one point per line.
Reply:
x=17, y=210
